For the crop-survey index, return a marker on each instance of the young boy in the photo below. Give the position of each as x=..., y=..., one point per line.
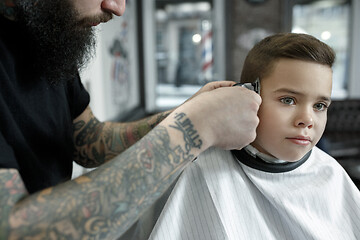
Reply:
x=281, y=186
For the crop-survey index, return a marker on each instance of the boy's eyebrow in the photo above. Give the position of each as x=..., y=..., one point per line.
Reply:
x=292, y=91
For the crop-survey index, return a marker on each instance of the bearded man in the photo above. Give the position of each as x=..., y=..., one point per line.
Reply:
x=46, y=124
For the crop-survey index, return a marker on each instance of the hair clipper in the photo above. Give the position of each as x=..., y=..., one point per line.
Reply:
x=255, y=86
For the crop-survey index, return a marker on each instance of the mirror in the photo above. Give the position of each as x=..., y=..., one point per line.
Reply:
x=183, y=49
x=329, y=21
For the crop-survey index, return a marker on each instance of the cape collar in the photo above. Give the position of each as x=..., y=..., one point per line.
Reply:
x=263, y=156
x=254, y=161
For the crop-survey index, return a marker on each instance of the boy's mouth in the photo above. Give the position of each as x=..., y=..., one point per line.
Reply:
x=300, y=140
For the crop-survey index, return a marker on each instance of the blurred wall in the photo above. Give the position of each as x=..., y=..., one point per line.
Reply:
x=248, y=23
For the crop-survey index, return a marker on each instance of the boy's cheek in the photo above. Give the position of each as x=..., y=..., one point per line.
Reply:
x=321, y=129
x=273, y=112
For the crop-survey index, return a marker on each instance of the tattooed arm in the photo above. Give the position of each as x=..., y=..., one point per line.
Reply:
x=105, y=202
x=97, y=142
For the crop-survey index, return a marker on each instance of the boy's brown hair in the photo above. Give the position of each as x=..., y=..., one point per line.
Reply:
x=261, y=58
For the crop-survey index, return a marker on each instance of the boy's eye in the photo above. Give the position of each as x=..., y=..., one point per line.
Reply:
x=320, y=106
x=287, y=100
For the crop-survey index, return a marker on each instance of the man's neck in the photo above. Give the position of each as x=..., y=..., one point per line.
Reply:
x=7, y=9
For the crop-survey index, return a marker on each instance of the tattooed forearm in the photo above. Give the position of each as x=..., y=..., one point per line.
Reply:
x=97, y=142
x=11, y=191
x=191, y=136
x=89, y=143
x=105, y=202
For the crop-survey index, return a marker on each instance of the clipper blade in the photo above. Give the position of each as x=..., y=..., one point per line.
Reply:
x=255, y=86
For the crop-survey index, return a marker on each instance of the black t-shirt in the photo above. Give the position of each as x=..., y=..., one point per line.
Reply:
x=36, y=132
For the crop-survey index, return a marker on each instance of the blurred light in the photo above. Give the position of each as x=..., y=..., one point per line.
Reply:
x=161, y=15
x=206, y=25
x=297, y=29
x=196, y=38
x=188, y=7
x=326, y=35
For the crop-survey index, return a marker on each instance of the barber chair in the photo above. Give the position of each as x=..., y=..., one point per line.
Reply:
x=341, y=138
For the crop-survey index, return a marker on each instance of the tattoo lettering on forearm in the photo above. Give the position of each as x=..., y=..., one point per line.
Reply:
x=180, y=152
x=191, y=136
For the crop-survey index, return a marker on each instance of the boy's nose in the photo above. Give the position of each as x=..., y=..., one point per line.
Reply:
x=116, y=7
x=304, y=120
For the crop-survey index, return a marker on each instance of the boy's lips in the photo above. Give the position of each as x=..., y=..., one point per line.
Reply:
x=300, y=140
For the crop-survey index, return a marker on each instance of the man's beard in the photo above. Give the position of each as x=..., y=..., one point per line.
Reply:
x=62, y=43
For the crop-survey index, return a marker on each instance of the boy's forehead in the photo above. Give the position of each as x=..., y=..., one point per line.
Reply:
x=302, y=76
